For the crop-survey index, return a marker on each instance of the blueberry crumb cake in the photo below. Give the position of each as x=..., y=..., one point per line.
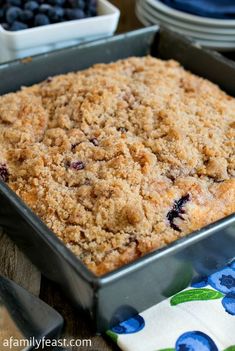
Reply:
x=122, y=158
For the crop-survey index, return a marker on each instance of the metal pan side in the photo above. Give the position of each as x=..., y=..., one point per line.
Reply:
x=15, y=74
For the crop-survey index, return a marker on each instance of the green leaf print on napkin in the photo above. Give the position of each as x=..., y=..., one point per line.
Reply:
x=112, y=335
x=195, y=295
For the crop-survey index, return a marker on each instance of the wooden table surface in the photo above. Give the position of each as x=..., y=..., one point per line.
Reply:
x=14, y=265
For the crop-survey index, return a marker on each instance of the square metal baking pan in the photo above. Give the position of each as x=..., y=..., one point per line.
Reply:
x=145, y=282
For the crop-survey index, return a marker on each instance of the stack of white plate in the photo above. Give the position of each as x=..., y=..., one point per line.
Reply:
x=218, y=34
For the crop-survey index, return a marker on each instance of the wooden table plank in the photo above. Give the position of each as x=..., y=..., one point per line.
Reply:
x=77, y=326
x=14, y=265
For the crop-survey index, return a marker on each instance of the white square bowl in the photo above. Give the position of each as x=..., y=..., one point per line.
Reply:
x=36, y=40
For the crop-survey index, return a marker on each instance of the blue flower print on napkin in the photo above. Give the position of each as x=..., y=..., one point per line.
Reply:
x=131, y=325
x=223, y=284
x=195, y=341
x=228, y=303
x=223, y=280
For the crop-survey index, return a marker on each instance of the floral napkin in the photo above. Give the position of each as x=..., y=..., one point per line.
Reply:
x=199, y=318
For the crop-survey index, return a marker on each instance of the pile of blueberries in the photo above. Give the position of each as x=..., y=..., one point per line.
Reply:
x=22, y=14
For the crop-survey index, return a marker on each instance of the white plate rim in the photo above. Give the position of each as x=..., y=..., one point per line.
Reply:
x=195, y=34
x=184, y=16
x=187, y=25
x=213, y=45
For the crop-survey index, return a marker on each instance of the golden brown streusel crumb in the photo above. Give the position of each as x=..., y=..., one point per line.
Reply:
x=121, y=158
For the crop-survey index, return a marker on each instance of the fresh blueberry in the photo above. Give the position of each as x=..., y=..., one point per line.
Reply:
x=45, y=8
x=80, y=4
x=67, y=13
x=21, y=14
x=92, y=11
x=56, y=13
x=77, y=4
x=31, y=5
x=228, y=303
x=14, y=2
x=4, y=174
x=56, y=2
x=74, y=14
x=195, y=341
x=71, y=3
x=91, y=3
x=26, y=15
x=12, y=14
x=59, y=2
x=223, y=280
x=17, y=25
x=131, y=325
x=41, y=20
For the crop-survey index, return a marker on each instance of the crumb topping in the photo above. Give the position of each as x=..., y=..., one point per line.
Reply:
x=121, y=158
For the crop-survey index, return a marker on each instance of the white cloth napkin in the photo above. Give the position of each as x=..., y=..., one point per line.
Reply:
x=199, y=318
